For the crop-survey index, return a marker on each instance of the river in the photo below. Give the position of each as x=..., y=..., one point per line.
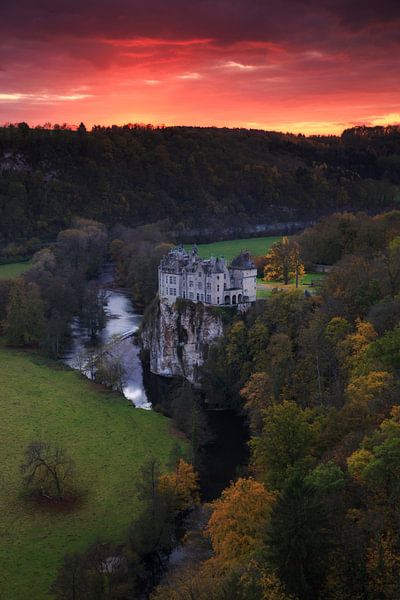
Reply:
x=228, y=450
x=121, y=319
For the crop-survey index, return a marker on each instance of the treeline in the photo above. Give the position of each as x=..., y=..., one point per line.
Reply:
x=195, y=177
x=36, y=309
x=316, y=515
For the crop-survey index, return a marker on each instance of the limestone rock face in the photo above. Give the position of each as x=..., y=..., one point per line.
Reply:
x=178, y=336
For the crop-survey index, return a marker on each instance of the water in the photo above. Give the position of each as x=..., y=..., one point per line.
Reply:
x=121, y=319
x=228, y=450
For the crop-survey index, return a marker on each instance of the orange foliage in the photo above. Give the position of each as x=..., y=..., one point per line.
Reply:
x=237, y=524
x=183, y=484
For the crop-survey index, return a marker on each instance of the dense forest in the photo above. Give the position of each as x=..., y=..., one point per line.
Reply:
x=314, y=514
x=195, y=177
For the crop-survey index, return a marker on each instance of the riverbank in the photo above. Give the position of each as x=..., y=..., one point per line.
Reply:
x=108, y=440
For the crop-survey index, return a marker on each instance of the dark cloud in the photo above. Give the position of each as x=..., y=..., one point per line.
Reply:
x=230, y=61
x=224, y=20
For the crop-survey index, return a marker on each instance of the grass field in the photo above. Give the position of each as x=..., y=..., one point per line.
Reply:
x=307, y=279
x=231, y=248
x=107, y=438
x=13, y=270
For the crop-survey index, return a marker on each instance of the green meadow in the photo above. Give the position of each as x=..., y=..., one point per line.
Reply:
x=231, y=248
x=108, y=440
x=13, y=270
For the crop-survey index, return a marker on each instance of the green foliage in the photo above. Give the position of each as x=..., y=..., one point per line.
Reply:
x=24, y=325
x=386, y=350
x=107, y=439
x=196, y=177
x=299, y=538
x=284, y=445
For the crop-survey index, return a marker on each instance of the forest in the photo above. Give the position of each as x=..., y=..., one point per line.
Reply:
x=196, y=177
x=314, y=513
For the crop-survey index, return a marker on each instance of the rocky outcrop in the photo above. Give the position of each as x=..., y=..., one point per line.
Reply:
x=178, y=336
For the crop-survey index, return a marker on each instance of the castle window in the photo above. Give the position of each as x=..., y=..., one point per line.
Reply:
x=218, y=300
x=209, y=286
x=217, y=288
x=208, y=298
x=191, y=295
x=190, y=283
x=199, y=285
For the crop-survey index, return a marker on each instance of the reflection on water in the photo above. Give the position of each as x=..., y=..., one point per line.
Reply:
x=121, y=319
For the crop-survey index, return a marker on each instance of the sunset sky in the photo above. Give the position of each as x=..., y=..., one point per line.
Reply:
x=291, y=65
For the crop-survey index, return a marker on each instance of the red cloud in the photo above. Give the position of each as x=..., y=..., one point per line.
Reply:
x=302, y=65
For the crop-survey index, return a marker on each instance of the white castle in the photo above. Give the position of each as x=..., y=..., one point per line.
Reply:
x=212, y=281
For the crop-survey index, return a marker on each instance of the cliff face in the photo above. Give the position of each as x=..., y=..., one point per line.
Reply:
x=178, y=336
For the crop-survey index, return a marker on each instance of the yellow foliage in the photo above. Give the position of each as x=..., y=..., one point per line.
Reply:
x=183, y=484
x=365, y=388
x=283, y=261
x=236, y=526
x=258, y=395
x=358, y=461
x=383, y=567
x=354, y=346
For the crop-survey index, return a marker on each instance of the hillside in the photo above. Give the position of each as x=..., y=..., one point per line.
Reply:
x=108, y=440
x=194, y=177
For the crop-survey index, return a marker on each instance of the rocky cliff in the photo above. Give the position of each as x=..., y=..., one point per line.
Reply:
x=177, y=337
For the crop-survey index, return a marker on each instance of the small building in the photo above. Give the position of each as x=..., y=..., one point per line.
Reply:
x=212, y=281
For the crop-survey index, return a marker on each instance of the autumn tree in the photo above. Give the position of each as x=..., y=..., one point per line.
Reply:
x=283, y=261
x=258, y=395
x=47, y=470
x=183, y=484
x=238, y=520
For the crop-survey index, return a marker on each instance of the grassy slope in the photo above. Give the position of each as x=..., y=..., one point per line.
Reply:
x=231, y=248
x=108, y=440
x=13, y=269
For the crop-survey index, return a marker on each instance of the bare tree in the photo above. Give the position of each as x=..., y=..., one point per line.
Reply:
x=47, y=470
x=111, y=372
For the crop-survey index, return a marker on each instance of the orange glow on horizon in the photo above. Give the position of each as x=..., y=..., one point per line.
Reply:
x=327, y=69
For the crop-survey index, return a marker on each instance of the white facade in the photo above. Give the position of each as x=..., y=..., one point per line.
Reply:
x=183, y=275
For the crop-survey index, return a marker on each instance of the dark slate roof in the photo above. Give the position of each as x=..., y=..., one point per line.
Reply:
x=243, y=261
x=218, y=266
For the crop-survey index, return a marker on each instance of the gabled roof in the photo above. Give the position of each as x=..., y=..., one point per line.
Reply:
x=243, y=261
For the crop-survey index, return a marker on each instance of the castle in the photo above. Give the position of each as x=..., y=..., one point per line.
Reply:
x=186, y=275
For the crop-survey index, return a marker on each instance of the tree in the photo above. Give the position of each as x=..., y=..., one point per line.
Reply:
x=283, y=261
x=24, y=325
x=151, y=536
x=47, y=470
x=100, y=573
x=258, y=395
x=238, y=520
x=93, y=316
x=183, y=484
x=285, y=443
x=298, y=538
x=109, y=370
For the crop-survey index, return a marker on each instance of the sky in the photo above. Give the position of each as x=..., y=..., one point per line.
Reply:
x=303, y=66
